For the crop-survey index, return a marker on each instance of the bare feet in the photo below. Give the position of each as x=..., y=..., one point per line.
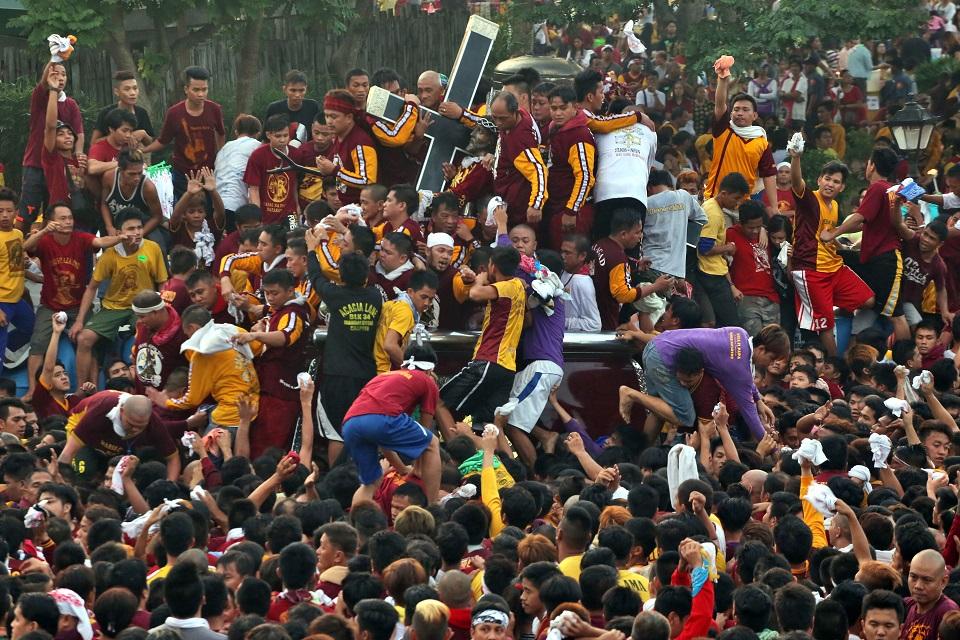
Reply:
x=626, y=402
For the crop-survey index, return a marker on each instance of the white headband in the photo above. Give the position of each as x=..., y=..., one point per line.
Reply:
x=145, y=310
x=490, y=616
x=411, y=363
x=439, y=239
x=783, y=164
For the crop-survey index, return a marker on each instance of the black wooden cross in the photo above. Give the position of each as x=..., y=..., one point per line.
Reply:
x=446, y=136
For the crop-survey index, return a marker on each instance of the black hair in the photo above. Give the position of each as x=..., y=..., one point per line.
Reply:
x=359, y=586
x=673, y=599
x=195, y=73
x=794, y=539
x=885, y=161
x=586, y=82
x=42, y=609
x=182, y=589
x=688, y=361
x=116, y=118
x=594, y=582
x=559, y=589
x=794, y=605
x=830, y=621
x=506, y=259
x=883, y=599
x=565, y=93
x=624, y=219
x=735, y=183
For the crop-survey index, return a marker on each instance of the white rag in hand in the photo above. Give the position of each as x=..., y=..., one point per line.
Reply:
x=925, y=377
x=934, y=474
x=466, y=492
x=133, y=528
x=822, y=499
x=880, y=445
x=897, y=406
x=796, y=143
x=861, y=473
x=35, y=515
x=187, y=440
x=560, y=625
x=681, y=466
x=811, y=450
x=116, y=480
x=198, y=493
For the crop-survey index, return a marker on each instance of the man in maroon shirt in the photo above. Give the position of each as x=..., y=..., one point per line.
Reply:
x=51, y=397
x=246, y=217
x=195, y=126
x=110, y=423
x=64, y=258
x=63, y=167
x=274, y=193
x=881, y=264
x=156, y=347
x=927, y=604
x=33, y=192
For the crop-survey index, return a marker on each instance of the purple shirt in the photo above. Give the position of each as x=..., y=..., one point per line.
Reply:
x=543, y=339
x=727, y=356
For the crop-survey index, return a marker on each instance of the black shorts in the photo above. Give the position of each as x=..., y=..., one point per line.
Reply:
x=337, y=394
x=883, y=275
x=477, y=391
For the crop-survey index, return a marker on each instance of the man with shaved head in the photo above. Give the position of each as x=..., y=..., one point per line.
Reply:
x=926, y=605
x=430, y=88
x=753, y=480
x=110, y=423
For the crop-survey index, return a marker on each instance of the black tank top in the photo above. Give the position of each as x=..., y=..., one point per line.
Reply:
x=116, y=200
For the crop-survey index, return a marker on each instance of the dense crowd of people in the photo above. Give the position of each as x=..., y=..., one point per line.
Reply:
x=185, y=461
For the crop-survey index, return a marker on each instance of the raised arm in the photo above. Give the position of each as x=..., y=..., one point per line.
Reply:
x=720, y=98
x=796, y=174
x=50, y=121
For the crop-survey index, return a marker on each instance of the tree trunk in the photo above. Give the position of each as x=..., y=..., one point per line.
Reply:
x=119, y=50
x=355, y=36
x=248, y=62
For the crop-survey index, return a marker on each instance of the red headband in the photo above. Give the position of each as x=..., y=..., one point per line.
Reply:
x=337, y=104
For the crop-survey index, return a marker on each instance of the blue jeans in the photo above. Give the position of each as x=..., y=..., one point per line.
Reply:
x=662, y=383
x=20, y=315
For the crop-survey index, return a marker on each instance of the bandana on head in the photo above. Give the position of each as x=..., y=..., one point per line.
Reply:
x=70, y=604
x=334, y=103
x=490, y=616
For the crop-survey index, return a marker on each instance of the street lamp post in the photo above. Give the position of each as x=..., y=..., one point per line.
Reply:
x=912, y=127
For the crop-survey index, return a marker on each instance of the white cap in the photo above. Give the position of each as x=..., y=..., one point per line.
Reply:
x=439, y=240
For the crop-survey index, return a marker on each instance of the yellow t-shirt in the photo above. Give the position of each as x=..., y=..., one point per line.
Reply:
x=12, y=266
x=636, y=581
x=128, y=275
x=396, y=315
x=570, y=566
x=715, y=229
x=502, y=324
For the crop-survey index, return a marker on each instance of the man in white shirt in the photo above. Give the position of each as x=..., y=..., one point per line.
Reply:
x=581, y=312
x=231, y=163
x=793, y=92
x=669, y=214
x=651, y=100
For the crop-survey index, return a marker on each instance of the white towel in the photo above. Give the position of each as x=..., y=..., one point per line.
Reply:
x=822, y=499
x=796, y=143
x=880, y=445
x=681, y=466
x=187, y=440
x=925, y=377
x=897, y=406
x=116, y=480
x=560, y=625
x=861, y=473
x=811, y=450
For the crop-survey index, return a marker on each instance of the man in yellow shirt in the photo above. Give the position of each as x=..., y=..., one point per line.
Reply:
x=573, y=537
x=131, y=266
x=712, y=290
x=13, y=308
x=219, y=368
x=398, y=318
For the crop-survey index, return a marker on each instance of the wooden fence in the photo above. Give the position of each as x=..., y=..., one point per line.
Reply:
x=408, y=42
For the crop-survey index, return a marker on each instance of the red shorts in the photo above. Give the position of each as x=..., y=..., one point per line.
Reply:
x=276, y=420
x=818, y=293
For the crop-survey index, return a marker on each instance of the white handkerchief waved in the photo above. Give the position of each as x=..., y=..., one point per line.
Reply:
x=811, y=450
x=822, y=499
x=880, y=445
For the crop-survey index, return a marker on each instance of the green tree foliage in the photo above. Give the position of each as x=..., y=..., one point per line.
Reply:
x=749, y=31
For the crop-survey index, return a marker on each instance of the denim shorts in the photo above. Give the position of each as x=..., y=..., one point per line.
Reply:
x=662, y=383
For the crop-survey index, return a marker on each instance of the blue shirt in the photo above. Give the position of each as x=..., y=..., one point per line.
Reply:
x=859, y=62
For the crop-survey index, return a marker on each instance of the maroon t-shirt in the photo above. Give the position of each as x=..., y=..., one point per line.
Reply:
x=879, y=236
x=750, y=270
x=917, y=273
x=65, y=269
x=95, y=429
x=396, y=392
x=278, y=191
x=194, y=137
x=67, y=111
x=46, y=405
x=175, y=292
x=55, y=168
x=103, y=151
x=924, y=626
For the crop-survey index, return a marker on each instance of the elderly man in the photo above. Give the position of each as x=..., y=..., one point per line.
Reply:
x=926, y=605
x=109, y=423
x=430, y=89
x=521, y=174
